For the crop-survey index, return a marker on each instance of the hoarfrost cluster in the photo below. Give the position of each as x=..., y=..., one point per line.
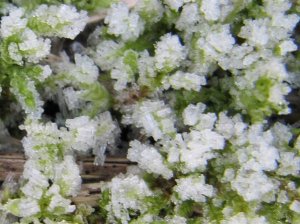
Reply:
x=193, y=92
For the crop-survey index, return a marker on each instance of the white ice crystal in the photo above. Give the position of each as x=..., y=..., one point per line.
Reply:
x=33, y=48
x=188, y=81
x=211, y=9
x=151, y=11
x=33, y=110
x=127, y=193
x=62, y=20
x=177, y=220
x=174, y=4
x=23, y=207
x=122, y=22
x=85, y=71
x=169, y=52
x=67, y=176
x=219, y=40
x=46, y=72
x=289, y=164
x=107, y=53
x=254, y=186
x=154, y=117
x=255, y=31
x=123, y=74
x=295, y=206
x=193, y=188
x=146, y=69
x=230, y=126
x=188, y=17
x=242, y=218
x=58, y=204
x=13, y=23
x=148, y=158
x=200, y=148
x=287, y=46
x=84, y=131
x=72, y=98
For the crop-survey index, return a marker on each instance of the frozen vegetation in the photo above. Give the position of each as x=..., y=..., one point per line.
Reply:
x=197, y=87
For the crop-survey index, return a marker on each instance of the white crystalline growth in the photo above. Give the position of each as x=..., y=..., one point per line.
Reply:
x=205, y=139
x=62, y=20
x=217, y=42
x=106, y=54
x=169, y=52
x=254, y=186
x=193, y=116
x=122, y=22
x=230, y=126
x=84, y=131
x=85, y=71
x=188, y=81
x=13, y=23
x=146, y=69
x=155, y=118
x=93, y=134
x=258, y=157
x=32, y=112
x=67, y=176
x=123, y=74
x=216, y=9
x=46, y=72
x=148, y=158
x=174, y=4
x=191, y=113
x=201, y=146
x=295, y=206
x=151, y=11
x=107, y=132
x=176, y=220
x=34, y=175
x=188, y=17
x=287, y=46
x=211, y=9
x=127, y=193
x=23, y=207
x=32, y=47
x=289, y=164
x=58, y=204
x=221, y=40
x=193, y=188
x=242, y=218
x=72, y=98
x=255, y=32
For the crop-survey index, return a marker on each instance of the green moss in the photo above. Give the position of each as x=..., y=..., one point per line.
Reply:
x=103, y=202
x=21, y=86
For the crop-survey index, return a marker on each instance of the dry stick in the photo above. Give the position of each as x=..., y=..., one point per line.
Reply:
x=91, y=174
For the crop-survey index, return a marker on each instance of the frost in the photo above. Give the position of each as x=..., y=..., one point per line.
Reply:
x=169, y=52
x=123, y=23
x=193, y=188
x=62, y=21
x=149, y=159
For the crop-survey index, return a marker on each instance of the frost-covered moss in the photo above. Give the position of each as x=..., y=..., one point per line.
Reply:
x=189, y=89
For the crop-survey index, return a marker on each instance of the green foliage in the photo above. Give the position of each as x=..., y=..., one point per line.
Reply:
x=256, y=100
x=98, y=98
x=278, y=213
x=103, y=202
x=24, y=91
